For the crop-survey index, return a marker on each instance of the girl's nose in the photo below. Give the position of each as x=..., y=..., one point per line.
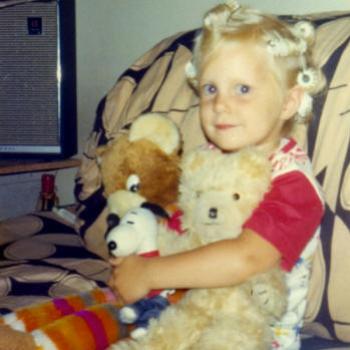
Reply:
x=220, y=103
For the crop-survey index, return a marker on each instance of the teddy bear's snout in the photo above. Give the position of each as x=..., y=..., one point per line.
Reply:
x=213, y=213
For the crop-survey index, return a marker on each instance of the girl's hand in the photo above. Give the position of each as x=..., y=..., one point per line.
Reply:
x=129, y=278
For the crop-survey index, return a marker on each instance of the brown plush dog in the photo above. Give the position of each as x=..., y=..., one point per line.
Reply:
x=142, y=166
x=139, y=166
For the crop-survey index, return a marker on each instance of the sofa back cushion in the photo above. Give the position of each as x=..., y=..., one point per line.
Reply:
x=156, y=82
x=328, y=313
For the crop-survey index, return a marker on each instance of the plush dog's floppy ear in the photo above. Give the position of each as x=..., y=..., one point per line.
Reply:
x=112, y=221
x=155, y=209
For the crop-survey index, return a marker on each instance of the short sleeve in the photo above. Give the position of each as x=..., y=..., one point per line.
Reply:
x=288, y=216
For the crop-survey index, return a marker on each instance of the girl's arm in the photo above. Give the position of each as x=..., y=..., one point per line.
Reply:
x=219, y=264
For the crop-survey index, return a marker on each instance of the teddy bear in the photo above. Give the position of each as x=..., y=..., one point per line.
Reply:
x=143, y=165
x=218, y=193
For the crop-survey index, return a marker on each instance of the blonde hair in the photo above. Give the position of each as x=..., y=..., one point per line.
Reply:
x=290, y=46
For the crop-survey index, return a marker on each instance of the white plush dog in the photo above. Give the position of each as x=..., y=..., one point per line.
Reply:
x=136, y=233
x=218, y=193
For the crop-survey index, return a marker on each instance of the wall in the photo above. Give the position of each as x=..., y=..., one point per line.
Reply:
x=111, y=34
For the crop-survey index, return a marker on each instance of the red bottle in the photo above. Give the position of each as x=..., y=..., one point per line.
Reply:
x=48, y=198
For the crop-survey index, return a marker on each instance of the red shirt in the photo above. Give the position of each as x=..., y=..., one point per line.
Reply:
x=291, y=211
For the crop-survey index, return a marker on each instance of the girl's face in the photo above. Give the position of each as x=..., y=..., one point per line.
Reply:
x=242, y=100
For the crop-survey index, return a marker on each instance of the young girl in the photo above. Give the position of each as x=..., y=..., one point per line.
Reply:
x=255, y=80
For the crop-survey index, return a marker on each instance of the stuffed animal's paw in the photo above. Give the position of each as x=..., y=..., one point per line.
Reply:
x=261, y=294
x=269, y=299
x=138, y=332
x=127, y=315
x=124, y=345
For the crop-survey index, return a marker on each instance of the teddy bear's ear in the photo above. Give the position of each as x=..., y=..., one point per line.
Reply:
x=254, y=163
x=200, y=159
x=192, y=161
x=158, y=129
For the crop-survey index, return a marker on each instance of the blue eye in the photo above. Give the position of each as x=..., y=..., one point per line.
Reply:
x=209, y=89
x=242, y=89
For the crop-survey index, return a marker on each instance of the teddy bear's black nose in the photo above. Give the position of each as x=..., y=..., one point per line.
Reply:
x=213, y=213
x=112, y=245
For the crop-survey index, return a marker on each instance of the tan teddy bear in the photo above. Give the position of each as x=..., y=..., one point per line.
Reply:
x=218, y=192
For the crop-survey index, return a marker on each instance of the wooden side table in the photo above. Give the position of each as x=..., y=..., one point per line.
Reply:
x=27, y=165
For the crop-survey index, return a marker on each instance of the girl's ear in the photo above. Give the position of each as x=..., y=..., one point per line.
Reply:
x=292, y=102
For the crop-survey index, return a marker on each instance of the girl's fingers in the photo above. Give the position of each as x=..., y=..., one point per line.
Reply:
x=115, y=261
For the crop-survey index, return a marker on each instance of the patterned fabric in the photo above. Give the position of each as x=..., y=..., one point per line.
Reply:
x=328, y=313
x=90, y=329
x=41, y=258
x=86, y=321
x=156, y=82
x=29, y=318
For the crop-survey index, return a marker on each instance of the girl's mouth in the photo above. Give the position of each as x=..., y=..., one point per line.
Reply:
x=224, y=126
